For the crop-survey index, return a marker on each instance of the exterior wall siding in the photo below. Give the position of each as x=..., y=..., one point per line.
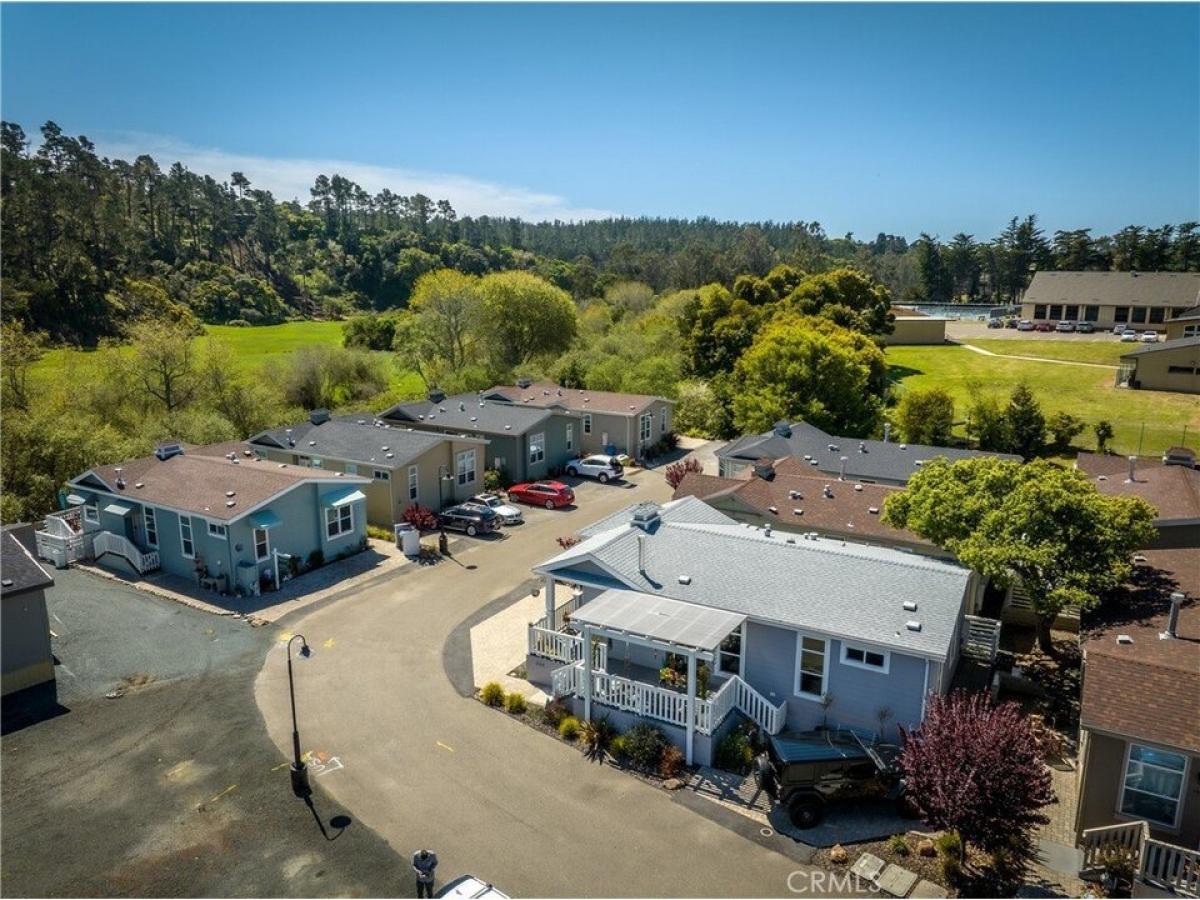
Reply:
x=25, y=642
x=924, y=330
x=1106, y=314
x=1153, y=371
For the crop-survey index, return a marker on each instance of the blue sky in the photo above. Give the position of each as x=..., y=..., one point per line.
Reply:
x=864, y=118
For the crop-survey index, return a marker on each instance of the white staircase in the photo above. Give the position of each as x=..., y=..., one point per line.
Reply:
x=108, y=542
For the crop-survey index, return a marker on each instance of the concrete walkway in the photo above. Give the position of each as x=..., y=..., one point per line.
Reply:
x=1060, y=362
x=498, y=646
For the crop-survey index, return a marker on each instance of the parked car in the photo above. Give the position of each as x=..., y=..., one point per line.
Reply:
x=602, y=468
x=1025, y=325
x=469, y=518
x=506, y=512
x=804, y=773
x=1119, y=330
x=1149, y=337
x=1065, y=326
x=1085, y=327
x=1011, y=322
x=469, y=887
x=550, y=494
x=1043, y=326
x=1128, y=336
x=995, y=323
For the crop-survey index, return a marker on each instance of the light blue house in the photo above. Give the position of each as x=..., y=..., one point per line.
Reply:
x=791, y=631
x=230, y=521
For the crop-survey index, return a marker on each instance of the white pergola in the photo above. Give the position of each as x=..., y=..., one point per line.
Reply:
x=688, y=629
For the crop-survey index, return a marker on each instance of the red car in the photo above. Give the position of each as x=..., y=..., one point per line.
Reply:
x=550, y=494
x=1044, y=326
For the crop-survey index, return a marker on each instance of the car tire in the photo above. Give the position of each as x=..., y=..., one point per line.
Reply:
x=603, y=478
x=472, y=530
x=572, y=471
x=549, y=504
x=806, y=812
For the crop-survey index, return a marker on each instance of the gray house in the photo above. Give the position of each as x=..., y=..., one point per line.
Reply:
x=28, y=662
x=786, y=630
x=611, y=421
x=872, y=462
x=525, y=442
x=406, y=467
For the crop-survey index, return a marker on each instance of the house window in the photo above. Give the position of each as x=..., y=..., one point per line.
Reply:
x=217, y=530
x=315, y=463
x=186, y=545
x=91, y=514
x=1071, y=312
x=647, y=427
x=570, y=436
x=810, y=666
x=1153, y=785
x=381, y=475
x=1181, y=370
x=1121, y=314
x=1055, y=310
x=1191, y=330
x=339, y=520
x=1039, y=311
x=537, y=447
x=1091, y=313
x=730, y=657
x=412, y=482
x=466, y=467
x=151, y=523
x=1157, y=315
x=1138, y=315
x=262, y=544
x=351, y=469
x=587, y=423
x=862, y=658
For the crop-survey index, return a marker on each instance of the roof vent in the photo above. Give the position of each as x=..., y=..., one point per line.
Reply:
x=364, y=422
x=782, y=428
x=384, y=448
x=508, y=428
x=1139, y=559
x=862, y=447
x=312, y=443
x=389, y=456
x=646, y=515
x=474, y=418
x=795, y=495
x=1124, y=639
x=685, y=579
x=808, y=457
x=319, y=416
x=920, y=462
x=523, y=382
x=7, y=582
x=812, y=462
x=773, y=509
x=904, y=446
x=764, y=469
x=231, y=493
x=797, y=512
x=912, y=625
x=1173, y=615
x=462, y=407
x=858, y=487
x=767, y=530
x=139, y=484
x=229, y=503
x=828, y=492
x=873, y=510
x=120, y=478
x=910, y=606
x=437, y=396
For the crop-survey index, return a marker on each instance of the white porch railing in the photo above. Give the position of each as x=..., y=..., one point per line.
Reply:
x=1126, y=838
x=561, y=613
x=1157, y=863
x=981, y=638
x=563, y=647
x=108, y=542
x=769, y=716
x=641, y=698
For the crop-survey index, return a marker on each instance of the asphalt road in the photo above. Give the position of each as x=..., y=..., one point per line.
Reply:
x=426, y=766
x=174, y=789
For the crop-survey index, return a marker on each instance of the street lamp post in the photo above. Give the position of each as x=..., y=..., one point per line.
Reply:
x=443, y=475
x=299, y=771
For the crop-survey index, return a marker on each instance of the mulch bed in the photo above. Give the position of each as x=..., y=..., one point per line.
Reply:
x=927, y=867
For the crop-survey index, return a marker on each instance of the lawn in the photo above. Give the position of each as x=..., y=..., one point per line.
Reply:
x=1145, y=421
x=252, y=348
x=1104, y=352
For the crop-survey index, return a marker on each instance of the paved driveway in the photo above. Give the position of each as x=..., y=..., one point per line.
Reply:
x=426, y=766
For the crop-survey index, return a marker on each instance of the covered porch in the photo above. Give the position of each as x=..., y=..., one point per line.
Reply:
x=620, y=624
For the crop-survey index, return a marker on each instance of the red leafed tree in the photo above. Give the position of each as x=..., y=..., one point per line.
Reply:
x=976, y=768
x=676, y=471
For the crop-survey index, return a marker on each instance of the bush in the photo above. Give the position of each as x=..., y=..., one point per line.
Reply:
x=421, y=517
x=568, y=728
x=315, y=559
x=616, y=747
x=492, y=694
x=596, y=736
x=948, y=843
x=515, y=703
x=495, y=479
x=951, y=870
x=670, y=441
x=670, y=764
x=379, y=533
x=677, y=471
x=898, y=845
x=644, y=746
x=555, y=712
x=734, y=753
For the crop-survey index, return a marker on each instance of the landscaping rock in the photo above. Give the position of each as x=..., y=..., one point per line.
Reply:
x=673, y=784
x=926, y=848
x=838, y=855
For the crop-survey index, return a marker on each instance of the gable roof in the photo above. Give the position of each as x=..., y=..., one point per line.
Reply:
x=469, y=414
x=19, y=571
x=865, y=459
x=852, y=591
x=1187, y=343
x=355, y=439
x=1115, y=288
x=1187, y=315
x=1174, y=491
x=193, y=482
x=548, y=394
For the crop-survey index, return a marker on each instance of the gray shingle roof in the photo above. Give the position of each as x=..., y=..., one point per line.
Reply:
x=851, y=591
x=1165, y=346
x=19, y=571
x=865, y=459
x=1115, y=288
x=469, y=414
x=685, y=509
x=354, y=439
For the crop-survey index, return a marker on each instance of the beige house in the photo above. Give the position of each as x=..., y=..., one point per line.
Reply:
x=1172, y=365
x=406, y=467
x=913, y=327
x=1186, y=324
x=1141, y=300
x=628, y=423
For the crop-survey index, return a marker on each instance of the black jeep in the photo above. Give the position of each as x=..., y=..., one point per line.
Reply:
x=805, y=772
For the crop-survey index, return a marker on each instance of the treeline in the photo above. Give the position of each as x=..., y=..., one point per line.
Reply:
x=93, y=245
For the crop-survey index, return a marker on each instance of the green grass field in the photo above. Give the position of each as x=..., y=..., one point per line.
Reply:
x=1145, y=421
x=1104, y=352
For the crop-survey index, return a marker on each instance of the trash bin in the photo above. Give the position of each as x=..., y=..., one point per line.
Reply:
x=408, y=539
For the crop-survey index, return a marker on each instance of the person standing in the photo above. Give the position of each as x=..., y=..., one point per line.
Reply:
x=424, y=863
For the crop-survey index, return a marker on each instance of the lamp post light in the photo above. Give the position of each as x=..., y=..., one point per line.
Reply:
x=443, y=476
x=298, y=770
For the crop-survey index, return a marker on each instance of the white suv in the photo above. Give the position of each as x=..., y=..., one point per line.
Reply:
x=505, y=512
x=597, y=466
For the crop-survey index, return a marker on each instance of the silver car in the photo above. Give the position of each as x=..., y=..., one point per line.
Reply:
x=505, y=512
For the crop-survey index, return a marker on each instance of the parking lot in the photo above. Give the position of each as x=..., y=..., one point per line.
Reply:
x=967, y=330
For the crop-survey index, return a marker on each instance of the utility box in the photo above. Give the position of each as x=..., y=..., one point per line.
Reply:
x=408, y=538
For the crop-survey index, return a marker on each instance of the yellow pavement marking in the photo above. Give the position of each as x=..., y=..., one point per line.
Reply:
x=280, y=766
x=445, y=746
x=285, y=636
x=328, y=643
x=223, y=793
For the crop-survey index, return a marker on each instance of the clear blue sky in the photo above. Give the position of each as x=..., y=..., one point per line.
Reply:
x=865, y=118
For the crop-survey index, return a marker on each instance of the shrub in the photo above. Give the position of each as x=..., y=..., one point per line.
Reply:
x=898, y=845
x=677, y=471
x=734, y=753
x=556, y=711
x=616, y=747
x=495, y=479
x=421, y=517
x=670, y=764
x=951, y=870
x=596, y=736
x=492, y=694
x=315, y=559
x=515, y=703
x=949, y=843
x=379, y=533
x=644, y=746
x=568, y=728
x=670, y=441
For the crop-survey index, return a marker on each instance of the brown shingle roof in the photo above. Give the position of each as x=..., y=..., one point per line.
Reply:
x=547, y=393
x=199, y=483
x=1172, y=490
x=1149, y=688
